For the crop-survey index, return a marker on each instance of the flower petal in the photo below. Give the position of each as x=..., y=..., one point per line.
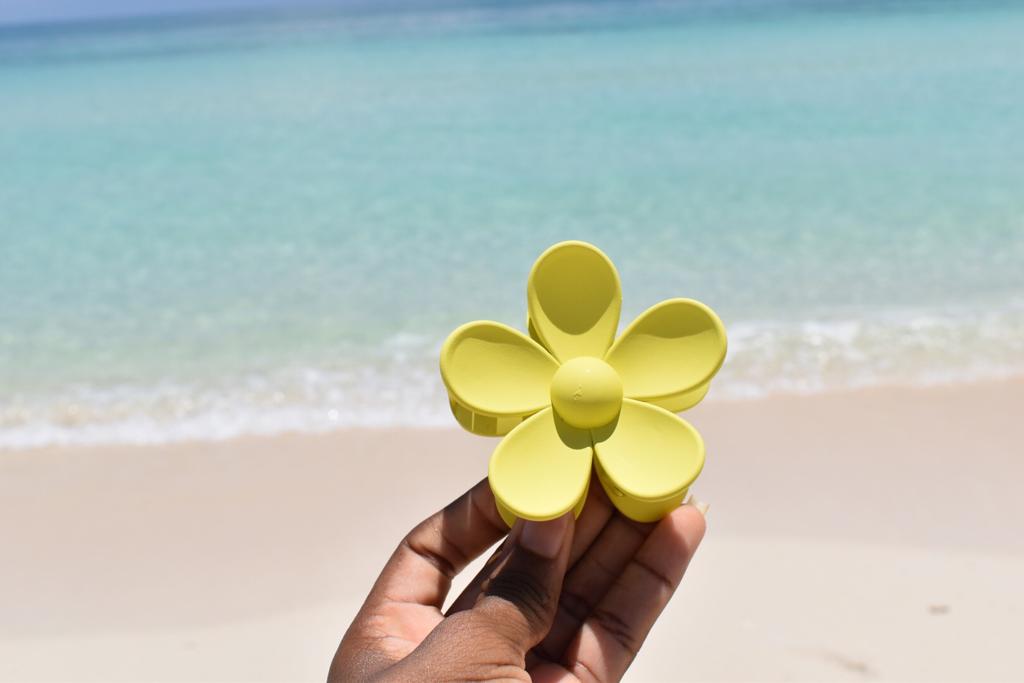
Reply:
x=647, y=460
x=495, y=376
x=574, y=299
x=669, y=354
x=541, y=470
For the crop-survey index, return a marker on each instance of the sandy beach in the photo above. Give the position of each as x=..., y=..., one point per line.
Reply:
x=860, y=536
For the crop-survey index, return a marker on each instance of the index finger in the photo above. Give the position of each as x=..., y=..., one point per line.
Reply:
x=613, y=633
x=421, y=569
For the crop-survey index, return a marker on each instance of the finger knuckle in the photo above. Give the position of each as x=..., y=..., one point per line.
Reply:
x=575, y=605
x=619, y=630
x=527, y=592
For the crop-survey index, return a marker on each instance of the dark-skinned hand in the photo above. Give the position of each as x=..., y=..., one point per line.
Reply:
x=562, y=600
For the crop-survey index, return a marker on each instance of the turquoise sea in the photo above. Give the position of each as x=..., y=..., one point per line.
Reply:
x=254, y=223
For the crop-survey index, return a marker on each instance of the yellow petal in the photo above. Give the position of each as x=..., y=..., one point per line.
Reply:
x=574, y=299
x=495, y=376
x=647, y=460
x=541, y=469
x=669, y=354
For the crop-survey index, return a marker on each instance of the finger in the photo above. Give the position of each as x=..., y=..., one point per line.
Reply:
x=512, y=615
x=610, y=637
x=518, y=603
x=421, y=568
x=547, y=672
x=588, y=582
x=596, y=512
x=471, y=593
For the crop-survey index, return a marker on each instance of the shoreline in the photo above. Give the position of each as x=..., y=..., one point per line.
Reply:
x=863, y=534
x=446, y=422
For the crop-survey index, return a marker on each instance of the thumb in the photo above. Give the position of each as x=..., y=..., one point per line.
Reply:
x=520, y=599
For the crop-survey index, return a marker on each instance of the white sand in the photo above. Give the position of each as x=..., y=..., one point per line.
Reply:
x=866, y=536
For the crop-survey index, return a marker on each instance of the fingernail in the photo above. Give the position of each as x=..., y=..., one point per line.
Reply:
x=544, y=538
x=701, y=506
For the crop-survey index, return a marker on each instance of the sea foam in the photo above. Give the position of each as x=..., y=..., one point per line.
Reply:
x=398, y=385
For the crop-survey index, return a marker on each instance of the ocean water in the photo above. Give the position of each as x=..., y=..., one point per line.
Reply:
x=255, y=223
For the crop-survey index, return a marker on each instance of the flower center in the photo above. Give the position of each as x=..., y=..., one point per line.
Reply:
x=586, y=392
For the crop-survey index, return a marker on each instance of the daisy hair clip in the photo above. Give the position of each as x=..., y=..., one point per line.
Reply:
x=571, y=398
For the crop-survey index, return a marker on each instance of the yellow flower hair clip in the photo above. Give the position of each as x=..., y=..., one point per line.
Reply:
x=571, y=394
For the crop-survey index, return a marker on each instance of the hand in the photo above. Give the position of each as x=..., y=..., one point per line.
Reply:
x=557, y=601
